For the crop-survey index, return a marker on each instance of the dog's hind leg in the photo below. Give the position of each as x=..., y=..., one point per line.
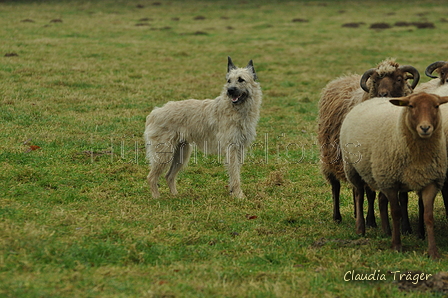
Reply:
x=180, y=159
x=160, y=156
x=234, y=155
x=153, y=178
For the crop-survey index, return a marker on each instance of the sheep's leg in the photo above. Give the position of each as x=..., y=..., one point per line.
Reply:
x=405, y=224
x=335, y=191
x=421, y=223
x=360, y=222
x=392, y=196
x=445, y=196
x=354, y=201
x=180, y=159
x=383, y=204
x=428, y=195
x=370, y=220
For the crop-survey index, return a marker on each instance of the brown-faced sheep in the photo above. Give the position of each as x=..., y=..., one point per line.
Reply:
x=438, y=85
x=337, y=99
x=393, y=148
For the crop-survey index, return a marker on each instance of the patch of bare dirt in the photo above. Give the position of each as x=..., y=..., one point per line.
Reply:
x=300, y=20
x=435, y=283
x=380, y=26
x=352, y=25
x=424, y=25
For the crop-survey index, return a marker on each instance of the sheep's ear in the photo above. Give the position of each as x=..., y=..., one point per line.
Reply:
x=443, y=99
x=401, y=101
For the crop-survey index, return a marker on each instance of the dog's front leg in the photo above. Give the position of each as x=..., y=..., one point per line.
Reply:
x=234, y=160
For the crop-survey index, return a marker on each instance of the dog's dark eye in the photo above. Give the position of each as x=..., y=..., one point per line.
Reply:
x=228, y=81
x=240, y=80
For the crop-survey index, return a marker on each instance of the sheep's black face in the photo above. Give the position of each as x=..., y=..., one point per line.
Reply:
x=392, y=85
x=443, y=74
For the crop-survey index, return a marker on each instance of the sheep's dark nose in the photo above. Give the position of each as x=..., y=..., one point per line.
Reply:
x=425, y=128
x=383, y=94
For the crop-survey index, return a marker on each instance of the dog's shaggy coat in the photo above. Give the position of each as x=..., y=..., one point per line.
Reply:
x=224, y=125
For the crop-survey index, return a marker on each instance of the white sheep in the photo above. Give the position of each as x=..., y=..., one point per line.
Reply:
x=393, y=148
x=388, y=79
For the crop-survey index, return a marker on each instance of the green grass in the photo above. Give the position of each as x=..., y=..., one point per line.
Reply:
x=76, y=216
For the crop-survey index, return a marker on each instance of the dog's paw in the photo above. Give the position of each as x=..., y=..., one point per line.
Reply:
x=238, y=194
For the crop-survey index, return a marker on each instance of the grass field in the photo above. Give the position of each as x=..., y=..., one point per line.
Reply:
x=77, y=79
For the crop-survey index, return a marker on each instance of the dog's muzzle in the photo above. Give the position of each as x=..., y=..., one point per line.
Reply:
x=236, y=95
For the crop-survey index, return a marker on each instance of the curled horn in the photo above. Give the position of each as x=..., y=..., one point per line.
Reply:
x=433, y=66
x=364, y=79
x=412, y=70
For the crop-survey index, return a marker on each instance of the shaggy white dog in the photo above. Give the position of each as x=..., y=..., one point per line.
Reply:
x=225, y=124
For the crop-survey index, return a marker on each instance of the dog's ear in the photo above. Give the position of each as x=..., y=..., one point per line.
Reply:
x=250, y=66
x=230, y=64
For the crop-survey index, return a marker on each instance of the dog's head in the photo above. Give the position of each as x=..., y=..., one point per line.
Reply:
x=239, y=81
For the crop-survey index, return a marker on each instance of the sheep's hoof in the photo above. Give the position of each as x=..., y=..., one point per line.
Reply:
x=397, y=247
x=361, y=232
x=360, y=229
x=337, y=218
x=371, y=224
x=433, y=254
x=406, y=229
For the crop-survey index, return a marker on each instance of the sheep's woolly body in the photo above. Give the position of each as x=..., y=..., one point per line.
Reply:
x=396, y=148
x=379, y=147
x=429, y=87
x=337, y=99
x=440, y=90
